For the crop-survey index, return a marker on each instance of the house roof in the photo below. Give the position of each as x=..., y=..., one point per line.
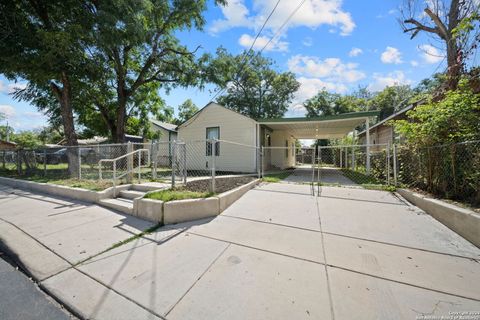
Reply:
x=342, y=116
x=324, y=127
x=11, y=143
x=211, y=103
x=164, y=125
x=396, y=114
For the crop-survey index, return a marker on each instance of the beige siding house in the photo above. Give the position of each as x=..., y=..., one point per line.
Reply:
x=167, y=131
x=236, y=154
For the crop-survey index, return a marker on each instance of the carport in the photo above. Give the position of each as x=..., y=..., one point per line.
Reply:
x=276, y=134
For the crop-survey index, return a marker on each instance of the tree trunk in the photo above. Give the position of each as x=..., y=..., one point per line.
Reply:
x=119, y=136
x=66, y=111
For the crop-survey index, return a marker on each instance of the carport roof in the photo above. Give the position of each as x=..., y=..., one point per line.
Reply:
x=325, y=127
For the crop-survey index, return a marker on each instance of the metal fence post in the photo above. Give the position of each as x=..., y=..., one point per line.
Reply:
x=45, y=162
x=154, y=159
x=388, y=163
x=129, y=163
x=395, y=164
x=214, y=152
x=174, y=162
x=262, y=164
x=79, y=163
x=184, y=153
x=353, y=158
x=140, y=167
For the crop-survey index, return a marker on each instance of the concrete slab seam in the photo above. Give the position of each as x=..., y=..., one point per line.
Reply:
x=120, y=294
x=332, y=310
x=196, y=281
x=352, y=237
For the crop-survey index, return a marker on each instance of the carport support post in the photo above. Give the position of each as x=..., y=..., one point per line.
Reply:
x=368, y=144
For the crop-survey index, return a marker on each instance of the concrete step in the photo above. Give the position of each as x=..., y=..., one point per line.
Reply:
x=119, y=204
x=131, y=194
x=145, y=187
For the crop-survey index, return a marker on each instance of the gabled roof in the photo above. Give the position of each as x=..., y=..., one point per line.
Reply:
x=393, y=116
x=211, y=103
x=13, y=144
x=164, y=125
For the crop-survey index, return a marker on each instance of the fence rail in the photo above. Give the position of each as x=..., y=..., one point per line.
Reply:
x=449, y=170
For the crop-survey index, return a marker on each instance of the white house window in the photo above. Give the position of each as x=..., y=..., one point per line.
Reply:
x=213, y=133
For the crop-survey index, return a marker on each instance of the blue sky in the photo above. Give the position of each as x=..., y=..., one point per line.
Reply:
x=332, y=44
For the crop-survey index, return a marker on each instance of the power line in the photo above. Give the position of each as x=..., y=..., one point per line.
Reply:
x=283, y=24
x=253, y=43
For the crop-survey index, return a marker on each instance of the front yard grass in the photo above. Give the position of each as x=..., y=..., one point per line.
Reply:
x=275, y=177
x=177, y=194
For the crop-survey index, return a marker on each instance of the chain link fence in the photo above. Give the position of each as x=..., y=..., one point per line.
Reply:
x=449, y=171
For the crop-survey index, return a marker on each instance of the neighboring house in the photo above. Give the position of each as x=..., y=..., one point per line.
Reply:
x=167, y=131
x=96, y=140
x=7, y=145
x=242, y=137
x=382, y=133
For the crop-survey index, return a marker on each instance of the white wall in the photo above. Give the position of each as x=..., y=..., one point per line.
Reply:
x=233, y=127
x=279, y=157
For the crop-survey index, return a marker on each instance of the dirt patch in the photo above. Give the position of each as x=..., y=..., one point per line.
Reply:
x=221, y=184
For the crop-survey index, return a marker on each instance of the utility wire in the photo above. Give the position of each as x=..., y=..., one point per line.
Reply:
x=245, y=57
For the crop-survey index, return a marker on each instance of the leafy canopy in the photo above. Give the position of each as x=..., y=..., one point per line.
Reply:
x=456, y=118
x=253, y=87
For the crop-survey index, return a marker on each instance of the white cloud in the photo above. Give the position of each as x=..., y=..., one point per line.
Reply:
x=430, y=54
x=307, y=42
x=309, y=87
x=331, y=69
x=391, y=55
x=11, y=87
x=355, y=52
x=33, y=115
x=236, y=15
x=8, y=110
x=414, y=63
x=246, y=41
x=391, y=79
x=312, y=14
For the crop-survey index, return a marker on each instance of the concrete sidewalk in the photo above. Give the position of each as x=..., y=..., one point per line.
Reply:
x=277, y=253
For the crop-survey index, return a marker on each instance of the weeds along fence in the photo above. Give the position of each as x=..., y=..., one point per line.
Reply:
x=450, y=171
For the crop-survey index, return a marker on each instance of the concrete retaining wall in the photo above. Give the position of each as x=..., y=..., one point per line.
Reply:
x=148, y=209
x=63, y=191
x=463, y=221
x=227, y=198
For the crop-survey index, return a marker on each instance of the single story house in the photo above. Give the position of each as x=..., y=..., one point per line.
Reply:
x=241, y=137
x=96, y=140
x=382, y=133
x=7, y=145
x=167, y=131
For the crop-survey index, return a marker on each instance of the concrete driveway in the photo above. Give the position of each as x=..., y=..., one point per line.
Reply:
x=280, y=253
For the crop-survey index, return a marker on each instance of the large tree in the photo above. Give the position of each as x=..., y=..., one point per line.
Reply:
x=43, y=43
x=186, y=110
x=325, y=103
x=138, y=52
x=452, y=22
x=253, y=87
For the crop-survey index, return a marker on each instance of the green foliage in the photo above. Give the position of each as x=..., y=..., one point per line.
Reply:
x=276, y=177
x=391, y=99
x=254, y=88
x=26, y=139
x=455, y=118
x=325, y=103
x=186, y=110
x=177, y=194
